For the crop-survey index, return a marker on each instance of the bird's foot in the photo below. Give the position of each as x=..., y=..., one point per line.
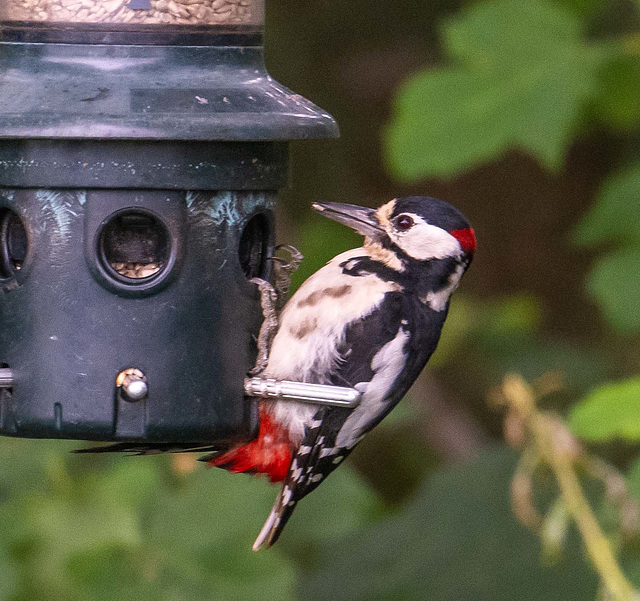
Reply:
x=283, y=269
x=272, y=299
x=269, y=327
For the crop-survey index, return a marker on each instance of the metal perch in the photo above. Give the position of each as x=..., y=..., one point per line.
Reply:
x=267, y=388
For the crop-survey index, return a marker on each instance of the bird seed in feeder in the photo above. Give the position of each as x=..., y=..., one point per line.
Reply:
x=169, y=12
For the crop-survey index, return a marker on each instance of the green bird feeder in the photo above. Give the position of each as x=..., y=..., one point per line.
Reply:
x=142, y=144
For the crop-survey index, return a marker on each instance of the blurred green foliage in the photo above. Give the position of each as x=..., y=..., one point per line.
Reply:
x=609, y=411
x=521, y=73
x=135, y=528
x=456, y=539
x=614, y=219
x=537, y=78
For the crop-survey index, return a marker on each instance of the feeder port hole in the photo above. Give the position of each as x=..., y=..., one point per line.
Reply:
x=134, y=245
x=13, y=243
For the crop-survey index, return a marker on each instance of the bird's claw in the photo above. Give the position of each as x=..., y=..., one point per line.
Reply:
x=269, y=327
x=295, y=256
x=283, y=269
x=272, y=299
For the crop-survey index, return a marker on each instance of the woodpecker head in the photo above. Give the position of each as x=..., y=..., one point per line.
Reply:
x=417, y=228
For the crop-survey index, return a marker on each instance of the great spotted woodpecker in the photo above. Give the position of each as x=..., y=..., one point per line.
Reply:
x=370, y=319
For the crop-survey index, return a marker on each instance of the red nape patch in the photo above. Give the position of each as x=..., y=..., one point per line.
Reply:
x=269, y=454
x=467, y=239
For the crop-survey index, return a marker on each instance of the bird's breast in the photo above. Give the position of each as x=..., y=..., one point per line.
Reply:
x=313, y=326
x=314, y=322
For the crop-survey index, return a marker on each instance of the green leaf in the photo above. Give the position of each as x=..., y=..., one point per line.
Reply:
x=457, y=539
x=85, y=528
x=342, y=505
x=617, y=103
x=614, y=283
x=533, y=358
x=112, y=572
x=506, y=34
x=609, y=412
x=523, y=73
x=615, y=216
x=586, y=8
x=70, y=516
x=199, y=538
x=24, y=464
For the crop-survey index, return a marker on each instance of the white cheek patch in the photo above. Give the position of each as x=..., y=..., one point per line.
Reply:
x=425, y=241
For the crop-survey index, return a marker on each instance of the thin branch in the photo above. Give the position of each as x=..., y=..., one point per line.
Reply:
x=548, y=441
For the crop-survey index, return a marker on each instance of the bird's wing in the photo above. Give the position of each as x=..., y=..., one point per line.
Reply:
x=374, y=347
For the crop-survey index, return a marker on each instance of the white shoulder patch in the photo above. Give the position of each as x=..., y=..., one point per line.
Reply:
x=386, y=364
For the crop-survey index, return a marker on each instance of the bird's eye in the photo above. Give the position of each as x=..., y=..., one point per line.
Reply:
x=404, y=222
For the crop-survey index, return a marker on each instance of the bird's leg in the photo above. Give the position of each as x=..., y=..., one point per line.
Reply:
x=283, y=270
x=272, y=299
x=269, y=327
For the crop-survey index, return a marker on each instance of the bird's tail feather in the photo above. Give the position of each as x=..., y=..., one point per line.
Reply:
x=277, y=520
x=268, y=526
x=151, y=448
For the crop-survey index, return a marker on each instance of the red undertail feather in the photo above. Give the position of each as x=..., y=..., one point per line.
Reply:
x=269, y=454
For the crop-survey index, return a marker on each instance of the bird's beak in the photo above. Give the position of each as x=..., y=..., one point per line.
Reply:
x=361, y=219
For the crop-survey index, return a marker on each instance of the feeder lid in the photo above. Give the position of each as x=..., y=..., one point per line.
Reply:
x=149, y=93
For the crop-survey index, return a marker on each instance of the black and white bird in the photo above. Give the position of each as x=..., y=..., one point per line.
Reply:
x=369, y=319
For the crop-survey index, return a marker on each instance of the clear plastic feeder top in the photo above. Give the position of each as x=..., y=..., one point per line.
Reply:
x=132, y=13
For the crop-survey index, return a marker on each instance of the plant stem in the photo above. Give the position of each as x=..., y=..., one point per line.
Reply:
x=557, y=447
x=596, y=542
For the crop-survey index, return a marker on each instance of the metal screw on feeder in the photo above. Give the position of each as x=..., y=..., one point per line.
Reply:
x=6, y=378
x=142, y=143
x=133, y=384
